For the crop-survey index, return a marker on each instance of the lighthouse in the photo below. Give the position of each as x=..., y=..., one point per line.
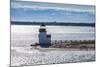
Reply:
x=44, y=38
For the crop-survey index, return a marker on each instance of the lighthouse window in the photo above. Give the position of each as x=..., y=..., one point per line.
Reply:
x=42, y=30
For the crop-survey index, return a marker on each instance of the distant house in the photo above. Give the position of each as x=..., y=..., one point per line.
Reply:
x=44, y=38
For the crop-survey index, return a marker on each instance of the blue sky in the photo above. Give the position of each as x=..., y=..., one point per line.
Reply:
x=47, y=12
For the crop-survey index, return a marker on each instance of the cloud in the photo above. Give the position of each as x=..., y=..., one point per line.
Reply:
x=45, y=6
x=84, y=2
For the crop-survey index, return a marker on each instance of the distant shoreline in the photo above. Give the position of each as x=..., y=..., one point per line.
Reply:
x=52, y=23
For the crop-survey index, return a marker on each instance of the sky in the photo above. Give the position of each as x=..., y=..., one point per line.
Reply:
x=51, y=12
x=85, y=2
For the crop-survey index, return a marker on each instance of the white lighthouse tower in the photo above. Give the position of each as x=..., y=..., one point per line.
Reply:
x=44, y=38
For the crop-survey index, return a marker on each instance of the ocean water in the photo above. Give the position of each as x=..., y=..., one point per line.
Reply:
x=30, y=33
x=23, y=36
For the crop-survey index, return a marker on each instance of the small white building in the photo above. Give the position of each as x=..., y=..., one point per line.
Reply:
x=44, y=38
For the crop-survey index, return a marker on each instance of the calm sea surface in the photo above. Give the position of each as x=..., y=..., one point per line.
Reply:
x=30, y=33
